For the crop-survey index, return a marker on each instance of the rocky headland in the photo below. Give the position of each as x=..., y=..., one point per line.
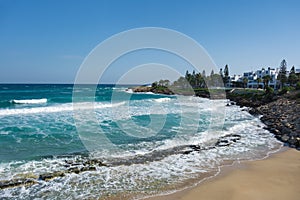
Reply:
x=156, y=90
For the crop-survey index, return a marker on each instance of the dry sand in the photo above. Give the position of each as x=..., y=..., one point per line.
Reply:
x=277, y=177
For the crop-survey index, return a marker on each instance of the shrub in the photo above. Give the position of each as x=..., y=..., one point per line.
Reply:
x=269, y=90
x=285, y=89
x=154, y=84
x=298, y=85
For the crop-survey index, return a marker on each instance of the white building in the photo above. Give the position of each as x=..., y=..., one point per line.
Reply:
x=234, y=79
x=253, y=76
x=259, y=74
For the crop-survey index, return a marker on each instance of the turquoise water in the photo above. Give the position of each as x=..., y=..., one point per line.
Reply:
x=38, y=134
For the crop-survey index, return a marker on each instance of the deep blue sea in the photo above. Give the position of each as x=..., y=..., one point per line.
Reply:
x=143, y=137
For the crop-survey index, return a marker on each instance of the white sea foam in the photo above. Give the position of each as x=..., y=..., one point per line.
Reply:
x=68, y=107
x=29, y=101
x=129, y=91
x=161, y=100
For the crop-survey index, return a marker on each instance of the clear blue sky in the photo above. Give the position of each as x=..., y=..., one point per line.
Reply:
x=46, y=40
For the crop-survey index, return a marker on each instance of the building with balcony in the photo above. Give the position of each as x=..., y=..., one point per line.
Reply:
x=253, y=78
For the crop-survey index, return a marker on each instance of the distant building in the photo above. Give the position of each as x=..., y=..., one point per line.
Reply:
x=235, y=81
x=253, y=76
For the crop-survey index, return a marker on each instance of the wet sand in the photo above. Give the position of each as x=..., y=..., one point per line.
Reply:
x=277, y=177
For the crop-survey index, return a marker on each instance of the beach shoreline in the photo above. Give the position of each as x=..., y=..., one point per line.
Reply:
x=275, y=177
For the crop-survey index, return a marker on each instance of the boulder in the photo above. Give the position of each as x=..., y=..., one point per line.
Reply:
x=16, y=182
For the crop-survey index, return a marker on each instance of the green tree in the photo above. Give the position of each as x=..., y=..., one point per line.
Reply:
x=193, y=81
x=181, y=83
x=198, y=80
x=245, y=81
x=188, y=77
x=203, y=74
x=216, y=80
x=154, y=84
x=293, y=78
x=166, y=83
x=226, y=71
x=293, y=70
x=258, y=82
x=266, y=80
x=282, y=73
x=221, y=72
x=226, y=75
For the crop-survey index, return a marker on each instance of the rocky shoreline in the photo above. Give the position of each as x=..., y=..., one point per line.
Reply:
x=279, y=113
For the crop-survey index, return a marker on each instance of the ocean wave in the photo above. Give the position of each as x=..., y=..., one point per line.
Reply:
x=68, y=107
x=130, y=91
x=29, y=101
x=161, y=100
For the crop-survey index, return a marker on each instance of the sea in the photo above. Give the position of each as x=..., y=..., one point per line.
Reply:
x=152, y=144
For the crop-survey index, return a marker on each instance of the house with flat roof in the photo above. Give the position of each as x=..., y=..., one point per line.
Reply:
x=259, y=74
x=254, y=76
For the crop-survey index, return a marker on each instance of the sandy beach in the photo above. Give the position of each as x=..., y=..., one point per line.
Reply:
x=276, y=177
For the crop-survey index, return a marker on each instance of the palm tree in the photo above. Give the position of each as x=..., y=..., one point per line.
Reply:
x=258, y=82
x=245, y=81
x=266, y=80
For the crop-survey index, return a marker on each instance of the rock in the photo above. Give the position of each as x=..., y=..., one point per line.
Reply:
x=286, y=130
x=195, y=147
x=274, y=130
x=292, y=141
x=49, y=176
x=16, y=182
x=297, y=142
x=89, y=168
x=285, y=138
x=222, y=143
x=141, y=89
x=94, y=162
x=30, y=178
x=227, y=140
x=73, y=170
x=254, y=111
x=187, y=152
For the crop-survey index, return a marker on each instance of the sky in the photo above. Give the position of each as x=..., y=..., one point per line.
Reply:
x=46, y=41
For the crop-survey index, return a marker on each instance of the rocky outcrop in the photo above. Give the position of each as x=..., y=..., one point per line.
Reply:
x=71, y=166
x=141, y=89
x=252, y=100
x=282, y=119
x=227, y=140
x=156, y=90
x=279, y=113
x=16, y=182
